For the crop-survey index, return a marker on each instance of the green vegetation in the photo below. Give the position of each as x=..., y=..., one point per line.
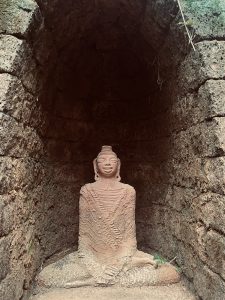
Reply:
x=159, y=259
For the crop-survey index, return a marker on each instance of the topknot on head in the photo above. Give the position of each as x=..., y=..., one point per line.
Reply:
x=107, y=150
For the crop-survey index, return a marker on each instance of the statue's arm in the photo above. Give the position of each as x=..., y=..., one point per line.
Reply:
x=83, y=210
x=130, y=242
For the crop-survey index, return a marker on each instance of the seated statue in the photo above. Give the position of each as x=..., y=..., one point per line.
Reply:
x=107, y=252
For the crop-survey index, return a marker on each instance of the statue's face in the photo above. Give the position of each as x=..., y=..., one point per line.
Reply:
x=107, y=165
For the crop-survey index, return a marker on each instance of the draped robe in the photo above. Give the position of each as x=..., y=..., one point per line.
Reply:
x=107, y=233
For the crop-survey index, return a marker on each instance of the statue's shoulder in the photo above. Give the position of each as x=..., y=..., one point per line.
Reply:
x=85, y=189
x=128, y=187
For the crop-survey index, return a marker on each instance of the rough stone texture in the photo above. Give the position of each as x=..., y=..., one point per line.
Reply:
x=208, y=284
x=12, y=97
x=5, y=257
x=66, y=70
x=208, y=23
x=17, y=17
x=175, y=292
x=206, y=63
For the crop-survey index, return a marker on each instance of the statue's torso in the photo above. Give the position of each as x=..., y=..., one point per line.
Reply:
x=107, y=219
x=109, y=200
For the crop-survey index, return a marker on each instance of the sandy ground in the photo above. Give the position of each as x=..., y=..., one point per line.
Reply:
x=173, y=292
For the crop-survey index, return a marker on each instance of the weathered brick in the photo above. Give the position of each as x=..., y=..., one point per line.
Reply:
x=209, y=208
x=206, y=63
x=215, y=251
x=17, y=16
x=4, y=257
x=208, y=284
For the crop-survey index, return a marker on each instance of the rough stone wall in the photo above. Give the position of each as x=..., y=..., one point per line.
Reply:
x=202, y=173
x=33, y=223
x=184, y=220
x=21, y=148
x=76, y=76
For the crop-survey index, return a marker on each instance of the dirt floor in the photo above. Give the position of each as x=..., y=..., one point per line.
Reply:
x=173, y=292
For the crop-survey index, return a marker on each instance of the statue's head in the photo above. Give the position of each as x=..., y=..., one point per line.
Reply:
x=107, y=164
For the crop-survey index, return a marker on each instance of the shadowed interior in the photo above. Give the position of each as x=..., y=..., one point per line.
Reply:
x=104, y=87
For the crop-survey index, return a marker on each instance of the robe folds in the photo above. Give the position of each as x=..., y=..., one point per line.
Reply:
x=107, y=232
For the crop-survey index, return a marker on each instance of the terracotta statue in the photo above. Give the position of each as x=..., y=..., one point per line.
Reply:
x=107, y=252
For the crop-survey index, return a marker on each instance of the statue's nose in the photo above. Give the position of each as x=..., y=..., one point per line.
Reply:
x=108, y=163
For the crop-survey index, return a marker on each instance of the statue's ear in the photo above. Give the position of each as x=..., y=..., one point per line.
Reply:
x=95, y=169
x=118, y=170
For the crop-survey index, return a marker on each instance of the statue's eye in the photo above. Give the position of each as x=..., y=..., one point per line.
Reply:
x=114, y=161
x=101, y=160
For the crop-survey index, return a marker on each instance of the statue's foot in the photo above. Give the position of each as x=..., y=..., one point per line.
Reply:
x=140, y=262
x=167, y=274
x=142, y=259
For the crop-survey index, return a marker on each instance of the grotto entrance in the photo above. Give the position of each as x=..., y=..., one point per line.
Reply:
x=89, y=73
x=105, y=87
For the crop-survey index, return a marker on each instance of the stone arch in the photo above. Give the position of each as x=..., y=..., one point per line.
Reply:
x=74, y=77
